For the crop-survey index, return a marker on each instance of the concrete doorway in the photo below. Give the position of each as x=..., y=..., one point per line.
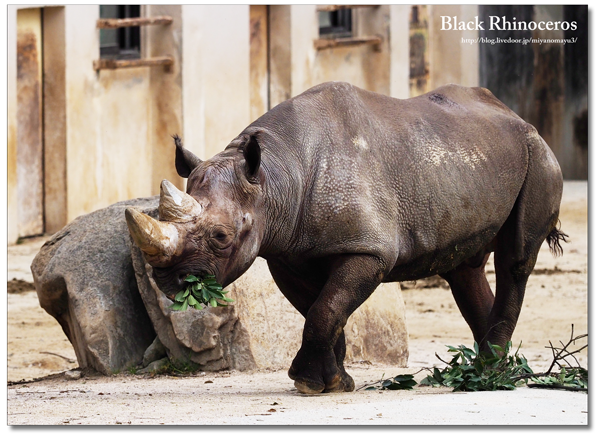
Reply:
x=41, y=121
x=30, y=172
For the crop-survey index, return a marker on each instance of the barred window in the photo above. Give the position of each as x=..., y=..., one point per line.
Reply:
x=122, y=42
x=336, y=24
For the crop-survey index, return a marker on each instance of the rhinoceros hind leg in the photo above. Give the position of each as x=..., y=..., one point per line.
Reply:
x=533, y=219
x=513, y=267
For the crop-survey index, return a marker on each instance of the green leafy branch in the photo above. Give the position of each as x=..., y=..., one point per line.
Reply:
x=200, y=291
x=398, y=382
x=477, y=370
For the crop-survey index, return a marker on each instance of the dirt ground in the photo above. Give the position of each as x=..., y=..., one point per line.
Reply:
x=556, y=299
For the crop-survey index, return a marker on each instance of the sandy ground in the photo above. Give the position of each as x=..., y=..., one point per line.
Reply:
x=556, y=299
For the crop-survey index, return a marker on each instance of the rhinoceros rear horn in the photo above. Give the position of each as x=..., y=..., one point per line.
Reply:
x=175, y=205
x=153, y=237
x=185, y=161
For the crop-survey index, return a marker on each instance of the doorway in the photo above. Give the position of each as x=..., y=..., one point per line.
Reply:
x=41, y=121
x=30, y=171
x=259, y=60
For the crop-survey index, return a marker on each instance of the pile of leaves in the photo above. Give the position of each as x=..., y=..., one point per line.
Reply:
x=478, y=370
x=198, y=292
x=475, y=370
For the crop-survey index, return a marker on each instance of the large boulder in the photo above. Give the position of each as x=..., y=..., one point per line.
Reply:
x=84, y=278
x=96, y=283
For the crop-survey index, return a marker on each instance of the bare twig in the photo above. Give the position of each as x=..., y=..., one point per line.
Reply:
x=70, y=360
x=562, y=354
x=571, y=354
x=439, y=358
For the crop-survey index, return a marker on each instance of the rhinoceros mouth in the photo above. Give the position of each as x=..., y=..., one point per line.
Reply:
x=171, y=283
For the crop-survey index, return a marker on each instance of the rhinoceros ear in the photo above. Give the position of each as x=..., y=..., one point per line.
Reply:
x=251, y=150
x=185, y=161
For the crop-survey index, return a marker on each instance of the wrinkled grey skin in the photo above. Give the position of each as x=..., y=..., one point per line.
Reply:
x=340, y=189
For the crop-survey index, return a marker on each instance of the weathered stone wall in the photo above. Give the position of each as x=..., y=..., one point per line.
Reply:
x=296, y=65
x=215, y=49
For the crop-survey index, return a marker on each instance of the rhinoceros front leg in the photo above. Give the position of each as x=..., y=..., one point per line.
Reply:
x=318, y=366
x=302, y=290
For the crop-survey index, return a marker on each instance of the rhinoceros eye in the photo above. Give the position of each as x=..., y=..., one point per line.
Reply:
x=221, y=237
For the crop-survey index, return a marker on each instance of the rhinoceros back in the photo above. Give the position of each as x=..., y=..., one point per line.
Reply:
x=401, y=179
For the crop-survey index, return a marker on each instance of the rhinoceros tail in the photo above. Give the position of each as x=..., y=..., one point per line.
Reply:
x=554, y=238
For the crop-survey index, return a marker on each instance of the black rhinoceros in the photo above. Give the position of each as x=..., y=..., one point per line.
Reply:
x=340, y=189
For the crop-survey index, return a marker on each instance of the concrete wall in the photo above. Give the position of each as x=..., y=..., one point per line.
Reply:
x=259, y=60
x=106, y=133
x=165, y=103
x=216, y=76
x=55, y=119
x=108, y=137
x=54, y=186
x=451, y=60
x=399, y=51
x=296, y=65
x=364, y=66
x=29, y=121
x=280, y=74
x=11, y=146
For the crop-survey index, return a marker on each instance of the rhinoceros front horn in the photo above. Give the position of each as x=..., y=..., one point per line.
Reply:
x=153, y=237
x=175, y=205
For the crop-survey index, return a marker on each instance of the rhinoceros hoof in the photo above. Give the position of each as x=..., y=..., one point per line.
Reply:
x=318, y=372
x=309, y=387
x=346, y=384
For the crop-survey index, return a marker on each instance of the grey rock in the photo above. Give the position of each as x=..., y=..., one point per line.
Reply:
x=204, y=337
x=84, y=278
x=155, y=351
x=73, y=375
x=156, y=366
